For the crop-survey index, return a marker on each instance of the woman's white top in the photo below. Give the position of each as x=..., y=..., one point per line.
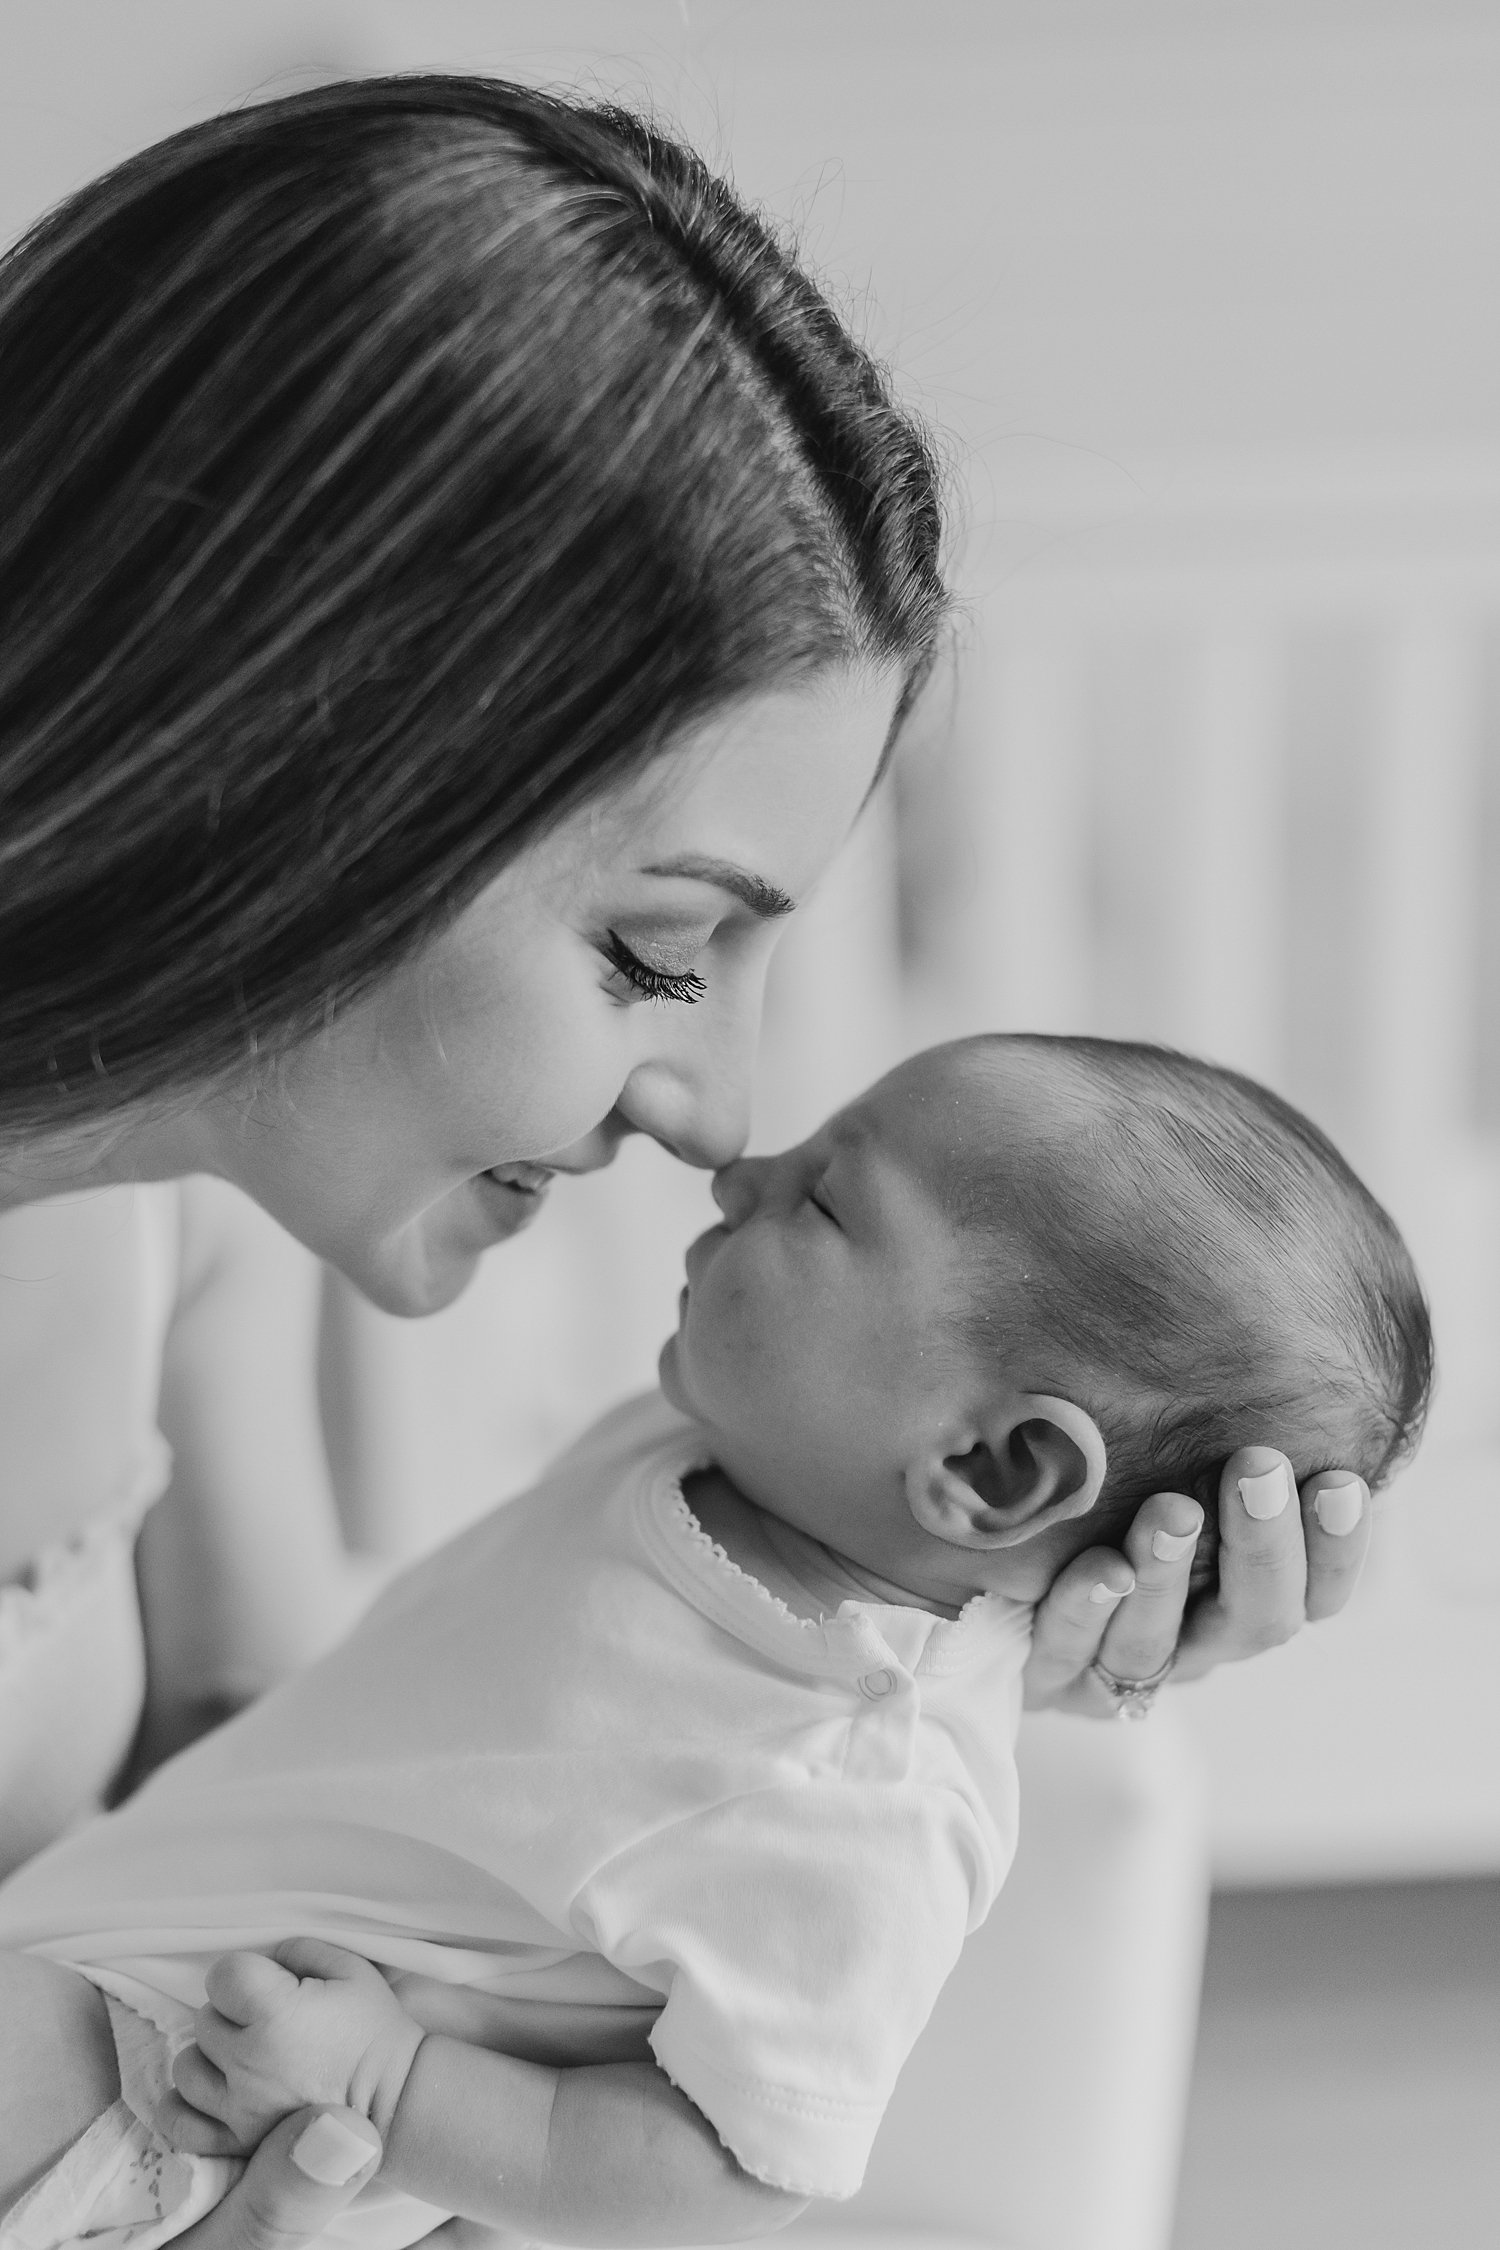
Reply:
x=579, y=1755
x=87, y=1287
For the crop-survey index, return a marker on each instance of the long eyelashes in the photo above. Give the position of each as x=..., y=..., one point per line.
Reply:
x=653, y=984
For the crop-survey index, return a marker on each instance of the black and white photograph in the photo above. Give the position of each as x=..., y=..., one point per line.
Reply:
x=750, y=1124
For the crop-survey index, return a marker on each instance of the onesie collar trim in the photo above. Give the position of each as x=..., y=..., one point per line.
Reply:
x=858, y=1636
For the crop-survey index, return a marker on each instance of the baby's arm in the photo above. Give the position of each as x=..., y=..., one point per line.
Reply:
x=608, y=2153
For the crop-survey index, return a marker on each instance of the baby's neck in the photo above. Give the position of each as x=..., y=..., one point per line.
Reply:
x=811, y=1578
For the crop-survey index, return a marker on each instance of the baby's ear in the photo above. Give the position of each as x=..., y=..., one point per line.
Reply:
x=1035, y=1462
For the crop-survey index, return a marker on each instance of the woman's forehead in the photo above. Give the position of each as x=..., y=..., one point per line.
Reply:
x=771, y=786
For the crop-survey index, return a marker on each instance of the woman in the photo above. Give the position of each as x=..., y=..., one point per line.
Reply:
x=461, y=583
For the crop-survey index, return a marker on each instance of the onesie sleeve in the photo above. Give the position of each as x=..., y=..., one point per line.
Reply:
x=801, y=1937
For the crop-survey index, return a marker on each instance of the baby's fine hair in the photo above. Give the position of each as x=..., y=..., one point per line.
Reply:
x=1200, y=1244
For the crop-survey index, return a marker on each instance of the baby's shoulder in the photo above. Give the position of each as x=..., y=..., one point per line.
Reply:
x=570, y=1529
x=622, y=1437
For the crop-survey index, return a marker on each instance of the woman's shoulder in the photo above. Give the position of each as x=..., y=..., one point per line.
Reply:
x=87, y=1286
x=624, y=1433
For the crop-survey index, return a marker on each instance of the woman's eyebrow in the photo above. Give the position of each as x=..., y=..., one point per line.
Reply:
x=751, y=890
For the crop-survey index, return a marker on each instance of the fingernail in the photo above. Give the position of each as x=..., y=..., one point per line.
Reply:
x=330, y=2153
x=1103, y=1593
x=1171, y=1546
x=1266, y=1496
x=1338, y=1507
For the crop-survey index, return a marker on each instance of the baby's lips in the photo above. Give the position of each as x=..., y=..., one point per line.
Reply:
x=697, y=1251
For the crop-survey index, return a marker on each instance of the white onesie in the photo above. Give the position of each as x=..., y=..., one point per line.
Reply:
x=579, y=1755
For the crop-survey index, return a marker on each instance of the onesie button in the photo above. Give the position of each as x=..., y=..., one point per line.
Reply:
x=878, y=1684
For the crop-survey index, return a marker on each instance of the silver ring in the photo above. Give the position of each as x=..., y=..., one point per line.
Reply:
x=1133, y=1698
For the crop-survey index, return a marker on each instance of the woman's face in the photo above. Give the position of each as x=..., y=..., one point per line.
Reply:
x=607, y=982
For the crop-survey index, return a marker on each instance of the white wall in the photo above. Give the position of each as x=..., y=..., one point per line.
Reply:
x=1230, y=765
x=1101, y=226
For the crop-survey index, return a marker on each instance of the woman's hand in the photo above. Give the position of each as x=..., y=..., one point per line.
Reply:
x=1279, y=1566
x=298, y=2180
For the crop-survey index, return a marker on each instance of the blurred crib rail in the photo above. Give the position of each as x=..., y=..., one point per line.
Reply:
x=1225, y=772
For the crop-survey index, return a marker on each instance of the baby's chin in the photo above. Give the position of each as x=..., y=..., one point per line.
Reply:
x=672, y=1375
x=669, y=1376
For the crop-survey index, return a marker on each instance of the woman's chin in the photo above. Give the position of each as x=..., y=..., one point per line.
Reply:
x=410, y=1285
x=429, y=1262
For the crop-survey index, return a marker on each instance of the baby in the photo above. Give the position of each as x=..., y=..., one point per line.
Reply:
x=708, y=1740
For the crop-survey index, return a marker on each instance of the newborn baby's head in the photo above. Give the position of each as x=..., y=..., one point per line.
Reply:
x=960, y=1332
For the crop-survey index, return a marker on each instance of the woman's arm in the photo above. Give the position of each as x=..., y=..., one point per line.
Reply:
x=1280, y=1566
x=242, y=1570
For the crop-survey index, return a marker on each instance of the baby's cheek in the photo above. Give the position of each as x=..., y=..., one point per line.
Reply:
x=741, y=1343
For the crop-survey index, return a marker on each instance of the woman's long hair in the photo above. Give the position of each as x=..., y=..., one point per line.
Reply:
x=384, y=471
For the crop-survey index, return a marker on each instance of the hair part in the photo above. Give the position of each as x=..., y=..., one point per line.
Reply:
x=385, y=471
x=1199, y=1266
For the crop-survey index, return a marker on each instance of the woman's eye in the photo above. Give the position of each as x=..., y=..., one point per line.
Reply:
x=647, y=982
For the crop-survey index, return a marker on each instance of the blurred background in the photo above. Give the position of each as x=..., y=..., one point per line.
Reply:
x=1202, y=298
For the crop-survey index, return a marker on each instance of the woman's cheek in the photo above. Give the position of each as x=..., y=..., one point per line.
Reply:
x=557, y=1085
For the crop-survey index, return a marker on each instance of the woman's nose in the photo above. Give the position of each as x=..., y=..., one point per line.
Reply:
x=705, y=1126
x=693, y=1094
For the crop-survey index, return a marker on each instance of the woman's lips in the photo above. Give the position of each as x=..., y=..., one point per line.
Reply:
x=527, y=1179
x=511, y=1195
